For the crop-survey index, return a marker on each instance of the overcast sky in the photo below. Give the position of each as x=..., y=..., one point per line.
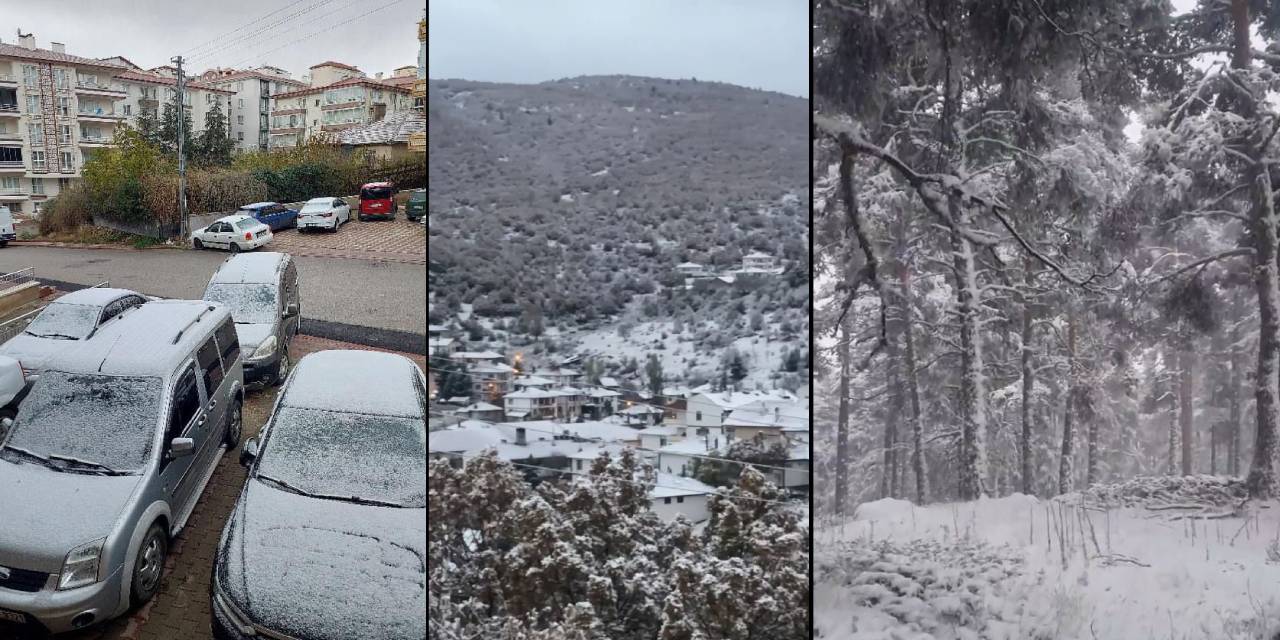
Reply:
x=752, y=43
x=368, y=34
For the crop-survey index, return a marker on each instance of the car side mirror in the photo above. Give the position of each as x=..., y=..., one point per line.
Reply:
x=179, y=447
x=6, y=422
x=250, y=452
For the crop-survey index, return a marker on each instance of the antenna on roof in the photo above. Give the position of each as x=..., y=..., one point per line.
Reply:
x=188, y=325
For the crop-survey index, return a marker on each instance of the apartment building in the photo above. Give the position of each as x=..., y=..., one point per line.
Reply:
x=251, y=100
x=150, y=89
x=54, y=108
x=340, y=97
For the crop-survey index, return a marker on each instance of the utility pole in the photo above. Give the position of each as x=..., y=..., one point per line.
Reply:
x=181, y=113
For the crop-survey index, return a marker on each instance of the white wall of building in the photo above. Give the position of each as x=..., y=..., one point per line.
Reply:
x=693, y=507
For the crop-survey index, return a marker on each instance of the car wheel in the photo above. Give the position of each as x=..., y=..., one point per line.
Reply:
x=235, y=425
x=235, y=247
x=148, y=566
x=197, y=244
x=282, y=371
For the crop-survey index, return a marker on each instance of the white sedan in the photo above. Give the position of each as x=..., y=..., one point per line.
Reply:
x=235, y=233
x=324, y=213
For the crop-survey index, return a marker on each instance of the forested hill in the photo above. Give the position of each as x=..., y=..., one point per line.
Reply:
x=580, y=192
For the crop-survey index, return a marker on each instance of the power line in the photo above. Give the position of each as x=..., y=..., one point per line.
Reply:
x=235, y=43
x=660, y=395
x=317, y=32
x=241, y=27
x=633, y=481
x=605, y=442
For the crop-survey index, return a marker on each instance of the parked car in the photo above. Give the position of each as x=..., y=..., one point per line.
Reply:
x=261, y=290
x=108, y=455
x=272, y=214
x=7, y=230
x=416, y=208
x=13, y=387
x=68, y=322
x=378, y=201
x=235, y=233
x=297, y=538
x=324, y=213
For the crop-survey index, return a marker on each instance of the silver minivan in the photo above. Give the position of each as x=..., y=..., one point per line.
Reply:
x=261, y=289
x=107, y=457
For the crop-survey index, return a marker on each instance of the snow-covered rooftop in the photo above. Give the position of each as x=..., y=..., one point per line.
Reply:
x=669, y=485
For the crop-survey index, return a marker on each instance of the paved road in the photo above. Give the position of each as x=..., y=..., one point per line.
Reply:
x=385, y=295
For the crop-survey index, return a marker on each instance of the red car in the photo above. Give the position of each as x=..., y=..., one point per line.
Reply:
x=377, y=201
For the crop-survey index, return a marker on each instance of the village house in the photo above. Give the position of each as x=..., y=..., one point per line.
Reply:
x=490, y=380
x=678, y=457
x=481, y=411
x=442, y=347
x=674, y=496
x=530, y=404
x=656, y=437
x=641, y=415
x=772, y=421
x=560, y=376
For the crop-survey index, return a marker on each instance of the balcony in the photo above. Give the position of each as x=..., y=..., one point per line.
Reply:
x=94, y=141
x=99, y=114
x=10, y=138
x=10, y=195
x=11, y=166
x=288, y=112
x=89, y=87
x=10, y=110
x=341, y=105
x=7, y=80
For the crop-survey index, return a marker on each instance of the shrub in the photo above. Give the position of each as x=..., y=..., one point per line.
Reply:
x=69, y=209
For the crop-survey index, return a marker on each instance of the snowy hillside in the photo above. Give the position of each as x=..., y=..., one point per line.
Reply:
x=1189, y=565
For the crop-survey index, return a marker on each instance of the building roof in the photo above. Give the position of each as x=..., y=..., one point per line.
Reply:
x=130, y=75
x=669, y=485
x=640, y=410
x=476, y=355
x=123, y=60
x=396, y=128
x=320, y=380
x=660, y=431
x=398, y=81
x=607, y=381
x=533, y=381
x=8, y=50
x=347, y=82
x=496, y=367
x=688, y=265
x=241, y=75
x=477, y=407
x=765, y=414
x=331, y=63
x=557, y=372
x=440, y=342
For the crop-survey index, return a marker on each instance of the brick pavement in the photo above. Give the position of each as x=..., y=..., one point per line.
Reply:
x=391, y=241
x=181, y=608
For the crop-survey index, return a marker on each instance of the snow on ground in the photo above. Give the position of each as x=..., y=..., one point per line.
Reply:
x=682, y=357
x=1175, y=566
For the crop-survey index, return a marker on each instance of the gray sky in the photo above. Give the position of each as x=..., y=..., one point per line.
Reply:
x=149, y=32
x=753, y=43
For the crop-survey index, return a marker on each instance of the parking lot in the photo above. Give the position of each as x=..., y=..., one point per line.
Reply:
x=181, y=608
x=388, y=241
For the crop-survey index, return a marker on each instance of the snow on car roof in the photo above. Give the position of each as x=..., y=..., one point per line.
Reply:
x=234, y=219
x=259, y=267
x=257, y=205
x=94, y=297
x=322, y=199
x=141, y=343
x=322, y=380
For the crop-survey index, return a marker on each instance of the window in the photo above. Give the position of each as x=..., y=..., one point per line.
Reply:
x=128, y=109
x=241, y=101
x=37, y=186
x=63, y=183
x=240, y=119
x=186, y=404
x=208, y=98
x=9, y=183
x=67, y=166
x=33, y=104
x=680, y=499
x=35, y=133
x=666, y=501
x=29, y=75
x=228, y=341
x=64, y=106
x=10, y=154
x=697, y=415
x=207, y=357
x=239, y=135
x=240, y=87
x=64, y=136
x=60, y=77
x=317, y=102
x=37, y=160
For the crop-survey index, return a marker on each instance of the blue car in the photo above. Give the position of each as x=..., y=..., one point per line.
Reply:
x=272, y=214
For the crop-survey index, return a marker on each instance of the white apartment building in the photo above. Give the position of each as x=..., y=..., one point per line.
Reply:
x=340, y=97
x=54, y=108
x=251, y=100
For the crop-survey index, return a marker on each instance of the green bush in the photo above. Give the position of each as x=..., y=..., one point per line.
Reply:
x=69, y=209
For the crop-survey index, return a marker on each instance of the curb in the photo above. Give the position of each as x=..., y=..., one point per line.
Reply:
x=390, y=339
x=77, y=245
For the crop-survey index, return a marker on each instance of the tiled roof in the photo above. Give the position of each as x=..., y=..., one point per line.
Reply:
x=330, y=63
x=241, y=75
x=15, y=51
x=349, y=82
x=142, y=76
x=395, y=128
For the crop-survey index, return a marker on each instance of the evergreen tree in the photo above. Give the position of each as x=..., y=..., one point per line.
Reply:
x=214, y=145
x=653, y=371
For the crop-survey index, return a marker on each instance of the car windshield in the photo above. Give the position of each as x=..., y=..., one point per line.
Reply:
x=314, y=207
x=378, y=458
x=418, y=196
x=65, y=321
x=245, y=225
x=249, y=303
x=375, y=193
x=99, y=420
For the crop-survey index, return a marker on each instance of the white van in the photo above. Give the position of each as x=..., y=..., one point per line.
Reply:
x=6, y=227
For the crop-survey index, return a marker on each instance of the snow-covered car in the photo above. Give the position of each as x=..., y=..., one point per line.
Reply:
x=335, y=493
x=13, y=386
x=68, y=322
x=234, y=233
x=324, y=213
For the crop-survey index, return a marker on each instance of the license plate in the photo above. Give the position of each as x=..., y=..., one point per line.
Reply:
x=13, y=616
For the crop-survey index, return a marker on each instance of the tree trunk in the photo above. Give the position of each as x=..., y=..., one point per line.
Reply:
x=1261, y=481
x=973, y=415
x=1028, y=379
x=1234, y=417
x=1174, y=406
x=913, y=386
x=1065, y=466
x=1185, y=409
x=842, y=425
x=889, y=475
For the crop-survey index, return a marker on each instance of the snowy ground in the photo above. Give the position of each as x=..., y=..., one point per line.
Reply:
x=1021, y=568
